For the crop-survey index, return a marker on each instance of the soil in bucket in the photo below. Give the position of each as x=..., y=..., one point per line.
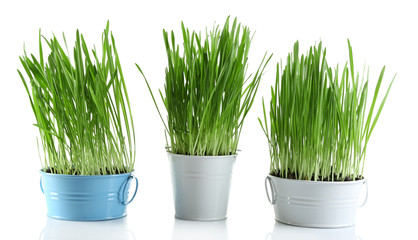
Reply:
x=104, y=171
x=336, y=178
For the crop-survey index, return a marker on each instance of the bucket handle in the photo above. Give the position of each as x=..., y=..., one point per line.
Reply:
x=40, y=184
x=367, y=194
x=273, y=199
x=268, y=236
x=126, y=202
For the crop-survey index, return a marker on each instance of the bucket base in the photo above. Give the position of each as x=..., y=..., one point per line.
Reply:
x=87, y=219
x=201, y=219
x=314, y=225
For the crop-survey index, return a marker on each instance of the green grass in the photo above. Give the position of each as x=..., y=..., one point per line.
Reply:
x=206, y=94
x=319, y=125
x=81, y=107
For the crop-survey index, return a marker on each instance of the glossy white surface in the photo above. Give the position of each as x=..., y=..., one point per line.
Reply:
x=104, y=230
x=381, y=33
x=287, y=232
x=182, y=230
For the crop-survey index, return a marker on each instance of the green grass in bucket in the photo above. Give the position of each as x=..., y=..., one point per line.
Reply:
x=207, y=94
x=318, y=126
x=81, y=107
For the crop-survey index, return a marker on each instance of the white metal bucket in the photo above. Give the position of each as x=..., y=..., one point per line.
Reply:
x=201, y=186
x=315, y=204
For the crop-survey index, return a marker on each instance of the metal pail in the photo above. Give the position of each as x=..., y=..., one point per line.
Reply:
x=87, y=198
x=201, y=186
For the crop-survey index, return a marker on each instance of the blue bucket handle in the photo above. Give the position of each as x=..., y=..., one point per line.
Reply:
x=124, y=189
x=40, y=184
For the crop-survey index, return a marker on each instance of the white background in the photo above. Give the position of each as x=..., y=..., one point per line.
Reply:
x=381, y=33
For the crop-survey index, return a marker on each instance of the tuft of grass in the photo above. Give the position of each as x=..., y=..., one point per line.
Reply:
x=319, y=125
x=81, y=107
x=206, y=93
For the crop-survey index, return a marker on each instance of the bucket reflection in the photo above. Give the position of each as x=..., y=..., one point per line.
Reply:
x=286, y=232
x=103, y=230
x=192, y=230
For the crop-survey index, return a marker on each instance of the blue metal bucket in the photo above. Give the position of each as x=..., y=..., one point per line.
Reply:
x=87, y=198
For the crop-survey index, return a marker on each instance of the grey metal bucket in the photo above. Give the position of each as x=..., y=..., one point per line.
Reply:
x=315, y=204
x=201, y=186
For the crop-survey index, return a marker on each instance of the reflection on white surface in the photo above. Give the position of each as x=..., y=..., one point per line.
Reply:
x=193, y=230
x=286, y=232
x=71, y=230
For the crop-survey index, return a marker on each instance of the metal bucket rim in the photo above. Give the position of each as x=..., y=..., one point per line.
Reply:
x=86, y=176
x=318, y=182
